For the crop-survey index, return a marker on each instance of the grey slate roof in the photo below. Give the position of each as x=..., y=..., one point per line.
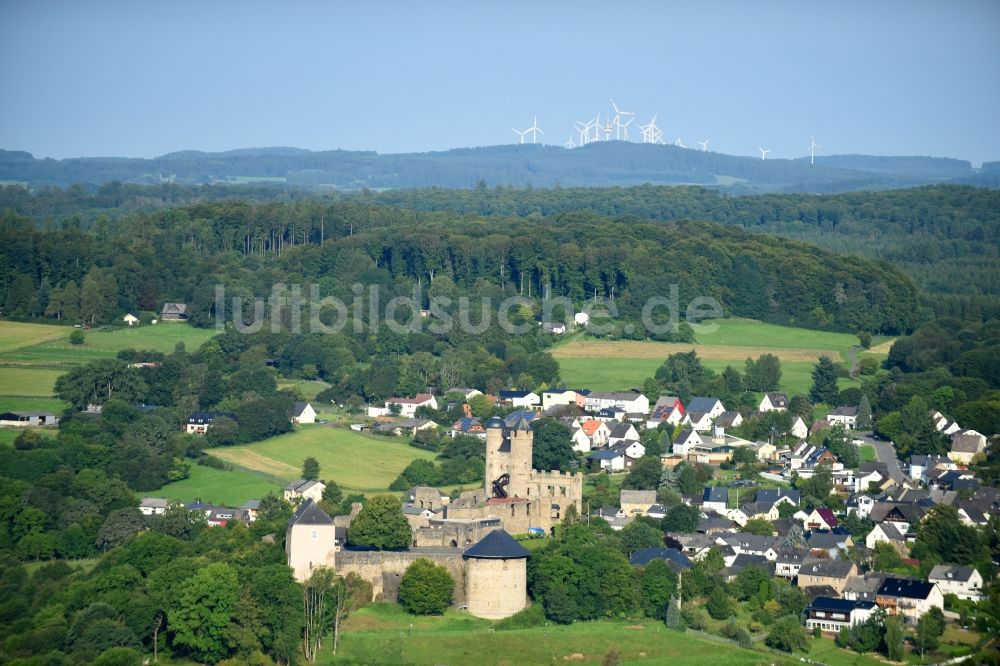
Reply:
x=826, y=568
x=309, y=513
x=671, y=555
x=497, y=545
x=950, y=572
x=906, y=588
x=701, y=404
x=716, y=494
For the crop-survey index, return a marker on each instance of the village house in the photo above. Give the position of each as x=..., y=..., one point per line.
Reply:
x=789, y=561
x=887, y=533
x=815, y=572
x=773, y=402
x=519, y=399
x=943, y=424
x=685, y=441
x=909, y=598
x=779, y=495
x=303, y=489
x=716, y=498
x=407, y=406
x=611, y=460
x=637, y=501
x=799, y=429
x=963, y=582
x=675, y=559
x=598, y=432
x=754, y=511
x=622, y=432
x=468, y=425
x=153, y=506
x=303, y=412
x=556, y=397
x=223, y=516
x=903, y=515
x=919, y=463
x=27, y=419
x=174, y=312
x=965, y=445
x=697, y=421
x=845, y=416
x=628, y=401
x=198, y=422
x=832, y=615
x=252, y=507
x=860, y=504
x=870, y=473
x=821, y=518
x=728, y=420
x=466, y=393
x=711, y=406
x=667, y=409
x=744, y=543
x=828, y=544
x=408, y=427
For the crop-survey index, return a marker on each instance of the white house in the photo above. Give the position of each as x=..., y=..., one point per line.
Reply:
x=711, y=406
x=153, y=506
x=669, y=409
x=407, y=406
x=921, y=462
x=832, y=615
x=581, y=319
x=598, y=432
x=965, y=444
x=520, y=399
x=621, y=432
x=303, y=412
x=963, y=582
x=773, y=402
x=130, y=319
x=698, y=421
x=581, y=443
x=686, y=440
x=799, y=429
x=302, y=489
x=886, y=532
x=633, y=449
x=909, y=598
x=557, y=397
x=614, y=460
x=632, y=402
x=198, y=422
x=716, y=498
x=845, y=416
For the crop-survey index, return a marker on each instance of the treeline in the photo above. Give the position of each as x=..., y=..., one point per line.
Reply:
x=138, y=261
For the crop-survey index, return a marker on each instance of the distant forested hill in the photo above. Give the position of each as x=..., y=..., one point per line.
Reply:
x=615, y=163
x=140, y=260
x=947, y=238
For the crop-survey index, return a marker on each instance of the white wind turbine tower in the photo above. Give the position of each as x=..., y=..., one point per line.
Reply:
x=650, y=131
x=569, y=143
x=704, y=145
x=679, y=143
x=534, y=129
x=812, y=150
x=763, y=153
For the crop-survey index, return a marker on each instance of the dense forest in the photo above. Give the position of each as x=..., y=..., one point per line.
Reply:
x=950, y=229
x=140, y=260
x=615, y=163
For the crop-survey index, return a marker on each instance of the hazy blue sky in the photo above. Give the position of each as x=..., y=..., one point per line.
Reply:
x=142, y=78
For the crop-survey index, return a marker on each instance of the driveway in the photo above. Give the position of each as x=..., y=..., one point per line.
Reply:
x=885, y=452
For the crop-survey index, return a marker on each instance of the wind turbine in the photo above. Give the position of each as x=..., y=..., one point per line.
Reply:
x=650, y=131
x=812, y=150
x=617, y=122
x=679, y=143
x=624, y=128
x=763, y=153
x=704, y=145
x=534, y=129
x=569, y=144
x=520, y=133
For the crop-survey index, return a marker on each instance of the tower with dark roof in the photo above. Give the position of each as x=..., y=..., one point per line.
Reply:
x=508, y=458
x=496, y=576
x=310, y=540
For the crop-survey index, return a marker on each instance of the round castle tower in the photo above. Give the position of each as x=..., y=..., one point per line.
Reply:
x=496, y=576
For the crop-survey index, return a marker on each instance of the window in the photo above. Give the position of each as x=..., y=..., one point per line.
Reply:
x=315, y=534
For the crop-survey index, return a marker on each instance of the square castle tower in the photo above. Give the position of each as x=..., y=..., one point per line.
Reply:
x=522, y=497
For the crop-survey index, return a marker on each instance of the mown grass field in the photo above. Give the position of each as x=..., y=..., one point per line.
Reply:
x=609, y=365
x=230, y=488
x=28, y=382
x=14, y=335
x=51, y=346
x=385, y=634
x=357, y=462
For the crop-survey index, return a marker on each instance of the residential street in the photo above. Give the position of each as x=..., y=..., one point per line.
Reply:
x=885, y=452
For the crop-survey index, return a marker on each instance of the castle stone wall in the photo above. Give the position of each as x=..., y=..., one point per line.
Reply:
x=497, y=588
x=384, y=569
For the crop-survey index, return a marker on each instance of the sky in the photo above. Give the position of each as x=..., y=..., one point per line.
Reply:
x=137, y=78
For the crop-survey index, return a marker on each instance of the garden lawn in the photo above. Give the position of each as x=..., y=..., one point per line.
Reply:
x=229, y=488
x=383, y=634
x=357, y=462
x=866, y=453
x=825, y=651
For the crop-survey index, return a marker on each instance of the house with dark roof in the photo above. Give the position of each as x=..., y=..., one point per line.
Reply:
x=304, y=489
x=773, y=402
x=627, y=401
x=845, y=416
x=828, y=544
x=303, y=412
x=821, y=518
x=963, y=582
x=779, y=495
x=685, y=441
x=834, y=573
x=889, y=533
x=198, y=422
x=909, y=598
x=668, y=409
x=905, y=515
x=520, y=399
x=675, y=559
x=789, y=561
x=174, y=312
x=831, y=615
x=965, y=445
x=468, y=425
x=728, y=420
x=715, y=498
x=706, y=405
x=744, y=561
